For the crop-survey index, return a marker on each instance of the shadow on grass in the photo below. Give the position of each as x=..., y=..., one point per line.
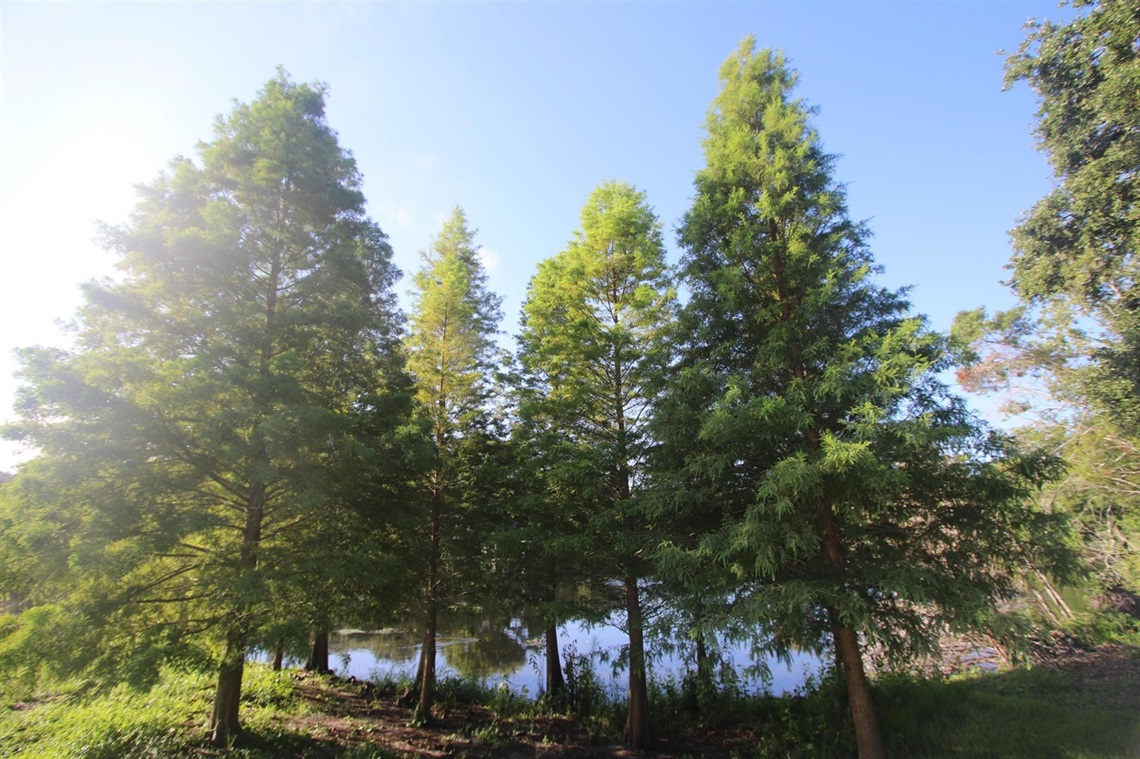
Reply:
x=1021, y=713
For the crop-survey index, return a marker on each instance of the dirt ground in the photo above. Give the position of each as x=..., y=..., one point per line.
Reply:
x=343, y=716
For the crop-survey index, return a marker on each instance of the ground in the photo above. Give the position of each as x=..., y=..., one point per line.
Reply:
x=1072, y=702
x=1107, y=677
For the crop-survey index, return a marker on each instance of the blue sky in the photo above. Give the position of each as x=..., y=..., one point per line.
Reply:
x=515, y=111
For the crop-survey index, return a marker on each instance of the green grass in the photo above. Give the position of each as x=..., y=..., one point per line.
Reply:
x=1023, y=713
x=120, y=723
x=1038, y=714
x=165, y=721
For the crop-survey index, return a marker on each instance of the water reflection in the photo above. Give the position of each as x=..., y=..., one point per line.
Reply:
x=395, y=646
x=493, y=654
x=503, y=654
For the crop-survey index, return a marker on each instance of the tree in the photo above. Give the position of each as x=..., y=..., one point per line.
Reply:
x=225, y=388
x=853, y=500
x=595, y=322
x=450, y=355
x=1075, y=251
x=1070, y=354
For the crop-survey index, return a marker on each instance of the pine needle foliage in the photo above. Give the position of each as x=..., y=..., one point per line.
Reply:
x=241, y=369
x=846, y=492
x=595, y=341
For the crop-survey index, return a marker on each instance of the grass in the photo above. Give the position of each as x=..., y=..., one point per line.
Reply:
x=167, y=720
x=1023, y=713
x=1088, y=713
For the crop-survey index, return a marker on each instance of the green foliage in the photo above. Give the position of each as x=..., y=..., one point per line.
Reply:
x=236, y=384
x=830, y=483
x=593, y=345
x=1067, y=357
x=121, y=723
x=272, y=690
x=450, y=349
x=594, y=341
x=585, y=693
x=1106, y=626
x=1079, y=243
x=808, y=404
x=453, y=323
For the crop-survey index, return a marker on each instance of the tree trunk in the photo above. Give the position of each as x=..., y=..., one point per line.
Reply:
x=637, y=733
x=555, y=681
x=423, y=711
x=224, y=727
x=279, y=656
x=704, y=667
x=410, y=697
x=318, y=660
x=422, y=714
x=868, y=739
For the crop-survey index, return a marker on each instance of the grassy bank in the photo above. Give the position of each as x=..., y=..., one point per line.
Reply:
x=1086, y=707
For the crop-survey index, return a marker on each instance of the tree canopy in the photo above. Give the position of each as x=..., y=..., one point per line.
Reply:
x=248, y=444
x=849, y=494
x=1068, y=355
x=223, y=390
x=595, y=331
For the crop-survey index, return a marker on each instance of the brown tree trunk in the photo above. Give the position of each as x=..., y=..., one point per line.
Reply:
x=637, y=732
x=423, y=710
x=279, y=656
x=868, y=739
x=224, y=727
x=410, y=697
x=422, y=714
x=318, y=660
x=555, y=681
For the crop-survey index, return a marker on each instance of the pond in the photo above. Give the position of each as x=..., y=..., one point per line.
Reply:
x=498, y=655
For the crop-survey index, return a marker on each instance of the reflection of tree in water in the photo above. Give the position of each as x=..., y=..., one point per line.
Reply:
x=476, y=650
x=493, y=652
x=395, y=646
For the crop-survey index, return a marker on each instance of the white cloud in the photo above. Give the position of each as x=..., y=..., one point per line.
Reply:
x=489, y=259
x=398, y=216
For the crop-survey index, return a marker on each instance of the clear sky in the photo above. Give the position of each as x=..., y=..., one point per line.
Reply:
x=515, y=111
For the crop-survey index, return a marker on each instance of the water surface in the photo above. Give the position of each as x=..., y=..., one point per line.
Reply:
x=497, y=656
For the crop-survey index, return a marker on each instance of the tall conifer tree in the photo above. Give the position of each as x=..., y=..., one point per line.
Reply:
x=851, y=497
x=596, y=318
x=224, y=389
x=450, y=355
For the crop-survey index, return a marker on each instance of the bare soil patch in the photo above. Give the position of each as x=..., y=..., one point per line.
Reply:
x=342, y=716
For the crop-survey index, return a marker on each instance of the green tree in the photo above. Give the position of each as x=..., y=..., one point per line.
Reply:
x=1069, y=356
x=451, y=354
x=853, y=500
x=595, y=322
x=1075, y=251
x=225, y=388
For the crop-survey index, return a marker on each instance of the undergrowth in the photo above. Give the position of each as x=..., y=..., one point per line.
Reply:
x=1021, y=713
x=167, y=720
